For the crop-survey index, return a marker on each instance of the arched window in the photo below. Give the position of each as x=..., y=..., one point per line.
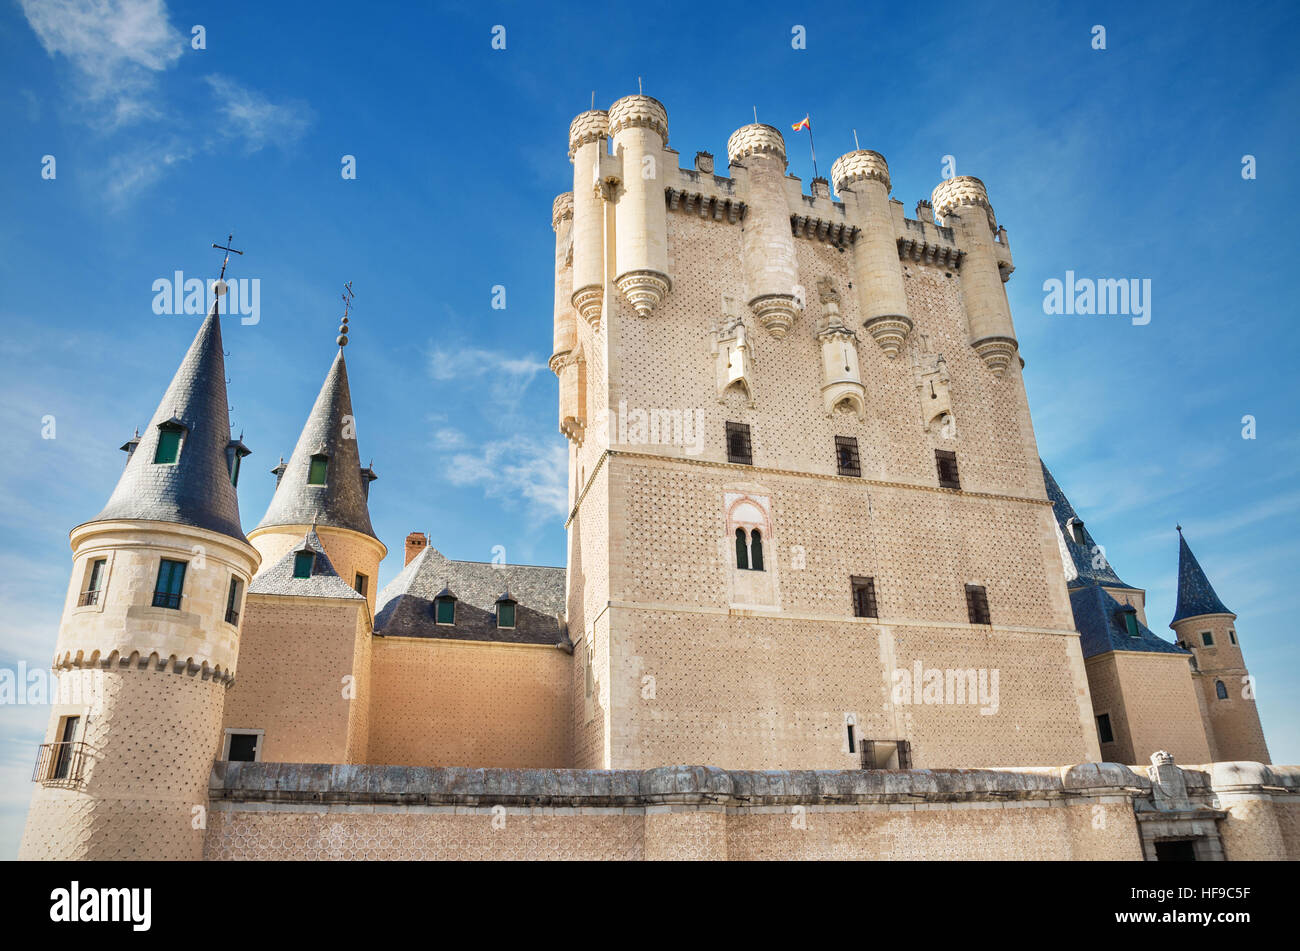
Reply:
x=756, y=550
x=319, y=470
x=742, y=549
x=1220, y=690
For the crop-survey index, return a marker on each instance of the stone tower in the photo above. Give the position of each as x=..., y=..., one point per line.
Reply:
x=802, y=468
x=1208, y=629
x=149, y=637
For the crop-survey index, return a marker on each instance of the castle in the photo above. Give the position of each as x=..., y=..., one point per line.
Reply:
x=811, y=547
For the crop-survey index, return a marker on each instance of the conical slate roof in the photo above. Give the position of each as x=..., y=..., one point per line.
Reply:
x=1081, y=556
x=330, y=430
x=196, y=489
x=1195, y=593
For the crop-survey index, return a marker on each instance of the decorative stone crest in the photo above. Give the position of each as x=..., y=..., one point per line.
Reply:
x=934, y=387
x=841, y=375
x=732, y=357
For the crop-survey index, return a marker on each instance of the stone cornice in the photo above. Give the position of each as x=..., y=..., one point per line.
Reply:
x=717, y=207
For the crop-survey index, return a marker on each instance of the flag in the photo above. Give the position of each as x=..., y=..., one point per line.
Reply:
x=803, y=124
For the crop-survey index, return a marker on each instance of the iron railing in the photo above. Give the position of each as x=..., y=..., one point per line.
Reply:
x=88, y=597
x=60, y=764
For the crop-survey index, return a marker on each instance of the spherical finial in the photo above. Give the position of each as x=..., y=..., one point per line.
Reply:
x=343, y=327
x=343, y=340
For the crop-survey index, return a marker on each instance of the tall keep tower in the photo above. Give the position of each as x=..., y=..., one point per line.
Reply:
x=149, y=637
x=802, y=468
x=1208, y=629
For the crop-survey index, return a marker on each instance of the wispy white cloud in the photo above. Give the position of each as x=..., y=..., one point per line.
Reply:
x=502, y=377
x=116, y=47
x=525, y=472
x=255, y=119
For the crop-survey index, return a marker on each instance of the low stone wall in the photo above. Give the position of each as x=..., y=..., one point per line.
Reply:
x=303, y=811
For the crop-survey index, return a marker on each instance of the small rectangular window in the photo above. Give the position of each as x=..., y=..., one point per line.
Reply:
x=244, y=746
x=234, y=468
x=1232, y=637
x=846, y=456
x=302, y=564
x=506, y=614
x=1207, y=639
x=445, y=611
x=946, y=463
x=977, y=604
x=853, y=748
x=738, y=445
x=588, y=675
x=169, y=445
x=319, y=470
x=1131, y=623
x=94, y=582
x=171, y=582
x=1103, y=728
x=361, y=584
x=233, y=600
x=864, y=597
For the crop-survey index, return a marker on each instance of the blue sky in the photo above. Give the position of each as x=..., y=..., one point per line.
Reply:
x=1118, y=163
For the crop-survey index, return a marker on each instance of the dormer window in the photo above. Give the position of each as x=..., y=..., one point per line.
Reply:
x=169, y=443
x=318, y=472
x=444, y=607
x=1075, y=527
x=303, y=563
x=505, y=611
x=235, y=453
x=1130, y=620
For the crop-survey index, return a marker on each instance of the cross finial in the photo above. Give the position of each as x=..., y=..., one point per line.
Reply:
x=230, y=239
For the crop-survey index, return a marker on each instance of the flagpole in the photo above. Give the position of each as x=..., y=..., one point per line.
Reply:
x=812, y=148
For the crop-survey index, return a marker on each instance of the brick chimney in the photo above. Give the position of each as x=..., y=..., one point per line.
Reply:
x=416, y=542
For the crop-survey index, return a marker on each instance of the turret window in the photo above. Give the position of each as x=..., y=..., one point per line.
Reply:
x=169, y=444
x=318, y=472
x=171, y=582
x=94, y=582
x=1207, y=639
x=234, y=600
x=303, y=562
x=1232, y=636
x=1220, y=690
x=361, y=584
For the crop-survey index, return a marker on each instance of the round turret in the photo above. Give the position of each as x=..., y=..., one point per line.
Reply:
x=639, y=111
x=862, y=165
x=587, y=127
x=756, y=139
x=951, y=194
x=561, y=209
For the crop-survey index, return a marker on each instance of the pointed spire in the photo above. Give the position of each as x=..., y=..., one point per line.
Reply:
x=1195, y=593
x=196, y=488
x=1087, y=557
x=329, y=435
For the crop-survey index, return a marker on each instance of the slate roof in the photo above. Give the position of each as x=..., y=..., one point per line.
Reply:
x=196, y=489
x=1081, y=555
x=341, y=502
x=1195, y=593
x=1100, y=622
x=405, y=606
x=323, y=583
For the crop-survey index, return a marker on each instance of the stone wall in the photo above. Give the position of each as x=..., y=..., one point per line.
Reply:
x=283, y=811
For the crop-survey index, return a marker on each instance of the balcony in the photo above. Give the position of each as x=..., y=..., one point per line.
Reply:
x=88, y=598
x=60, y=764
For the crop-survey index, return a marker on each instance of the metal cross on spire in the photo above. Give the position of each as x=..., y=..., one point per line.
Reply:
x=230, y=239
